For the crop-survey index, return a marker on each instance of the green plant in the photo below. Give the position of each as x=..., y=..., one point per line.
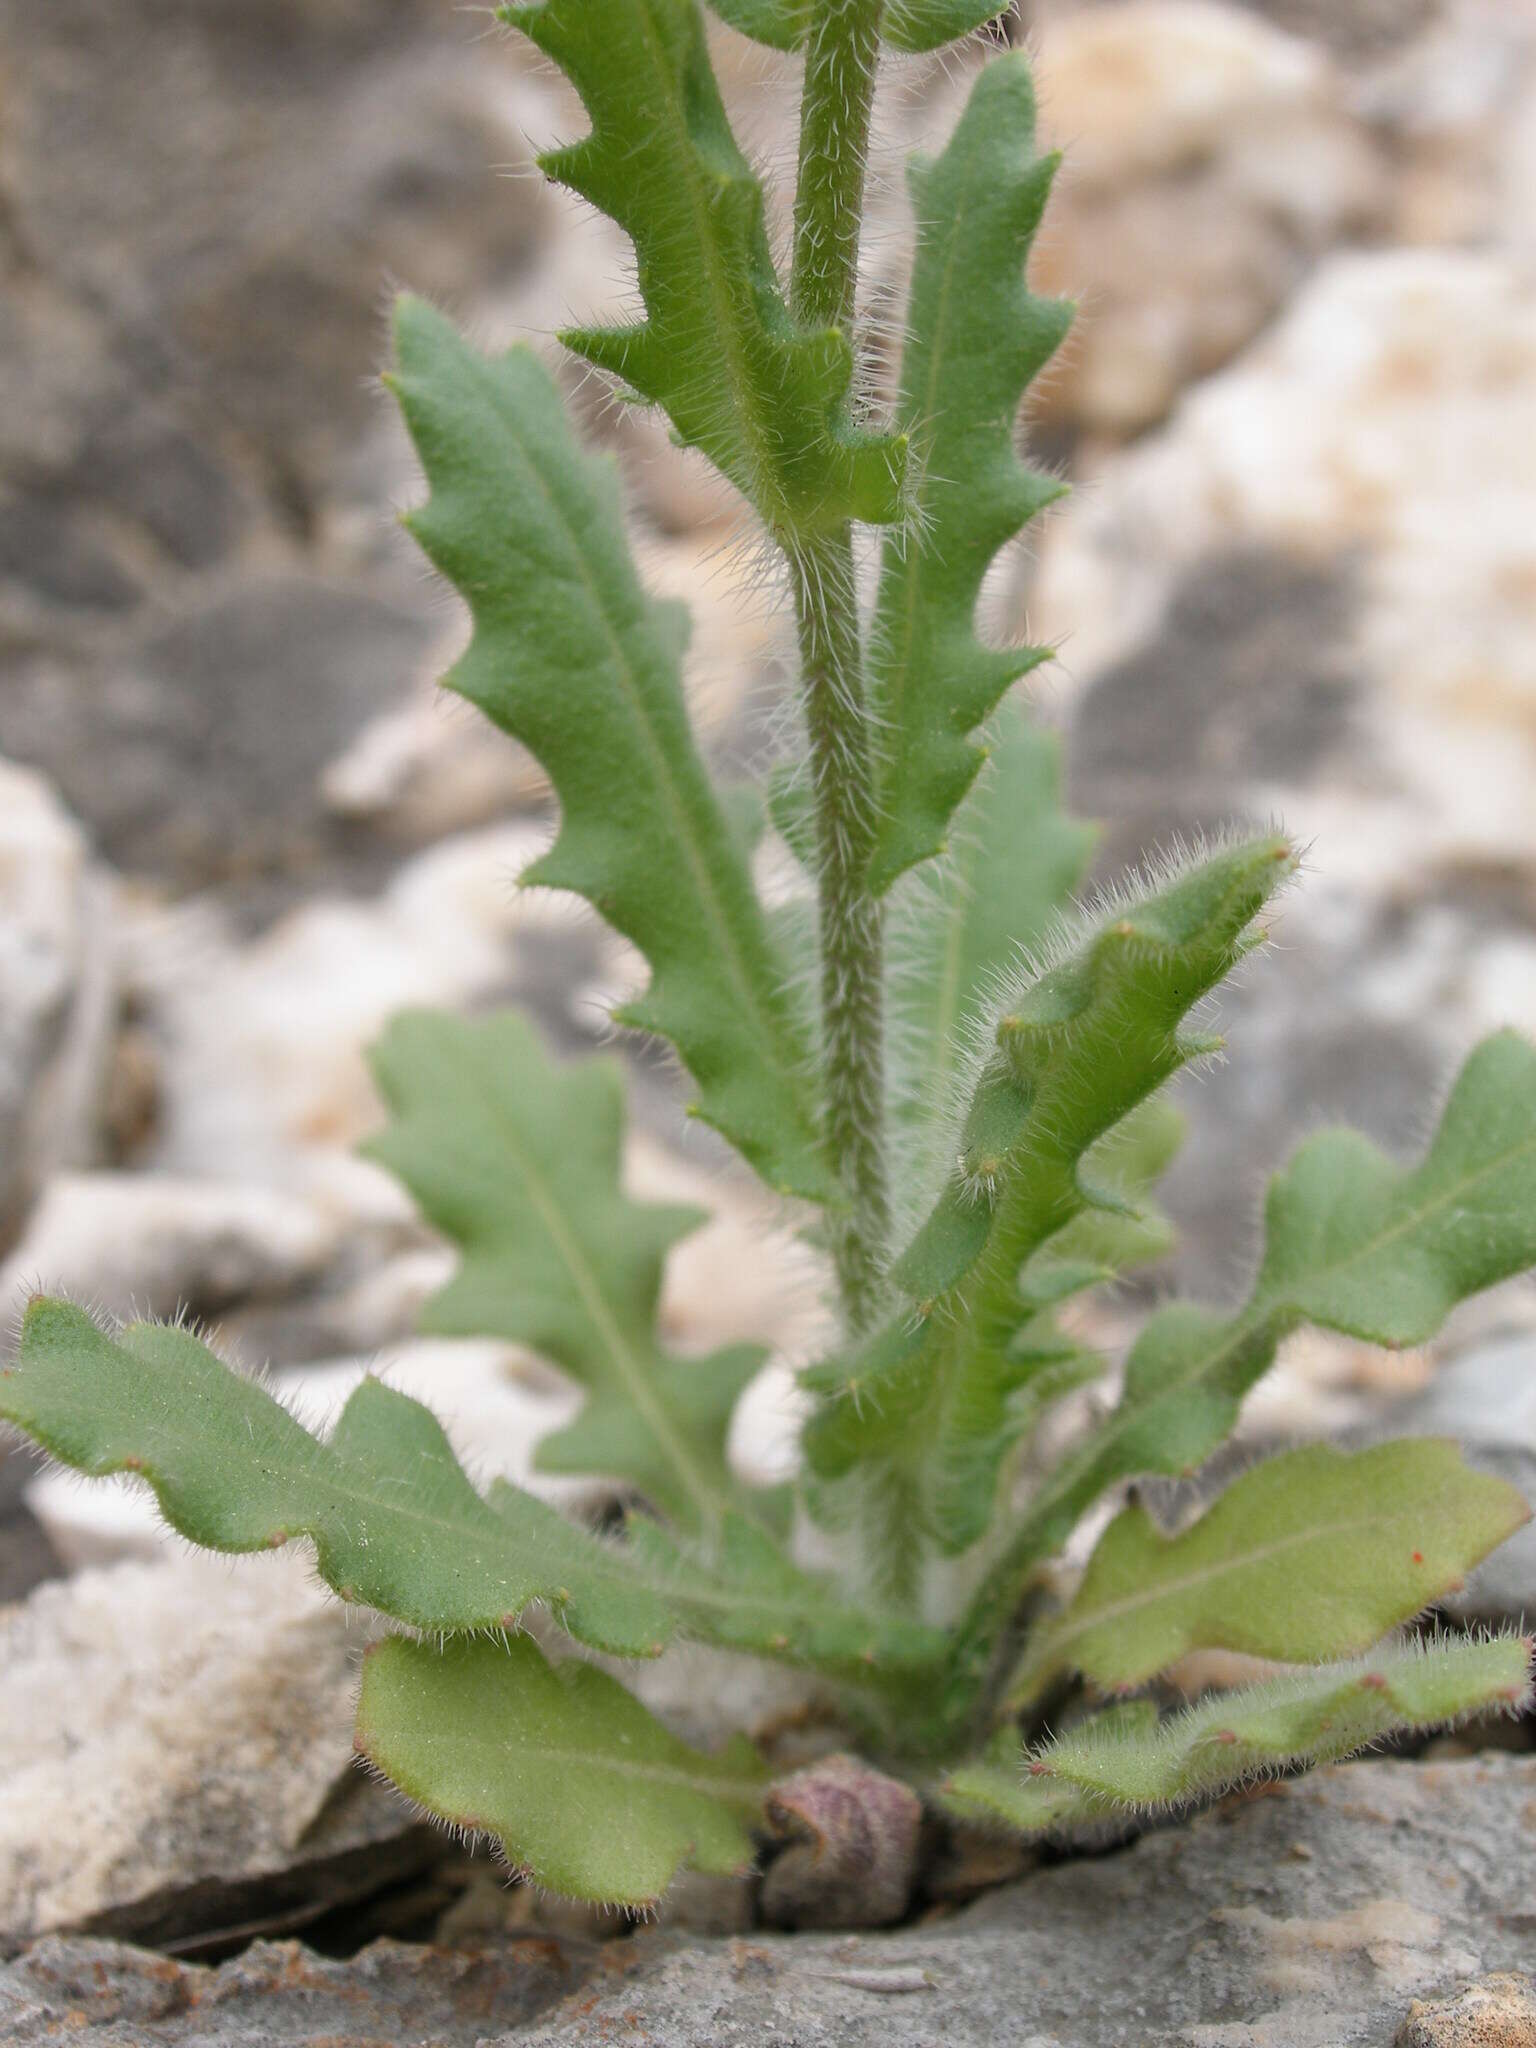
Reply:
x=1000, y=1164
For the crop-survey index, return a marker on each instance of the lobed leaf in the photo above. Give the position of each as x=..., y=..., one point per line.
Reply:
x=1016, y=859
x=764, y=399
x=926, y=1408
x=1314, y=1555
x=911, y=25
x=395, y=1523
x=587, y=1792
x=518, y=1158
x=572, y=658
x=976, y=337
x=1128, y=1762
x=1354, y=1243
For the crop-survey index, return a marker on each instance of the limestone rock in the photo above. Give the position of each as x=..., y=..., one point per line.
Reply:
x=178, y=1752
x=264, y=1041
x=1211, y=159
x=1309, y=596
x=1310, y=1914
x=150, y=1244
x=58, y=991
x=278, y=1992
x=1496, y=2012
x=1356, y=486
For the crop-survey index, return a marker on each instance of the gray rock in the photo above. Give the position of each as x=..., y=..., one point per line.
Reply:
x=1308, y=1915
x=277, y=1992
x=1496, y=2012
x=58, y=991
x=150, y=1244
x=195, y=748
x=178, y=1757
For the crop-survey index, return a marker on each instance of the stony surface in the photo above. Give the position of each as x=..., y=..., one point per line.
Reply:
x=278, y=1992
x=1311, y=1915
x=178, y=1755
x=1211, y=159
x=195, y=611
x=1306, y=1917
x=1497, y=2012
x=1309, y=594
x=153, y=1244
x=58, y=991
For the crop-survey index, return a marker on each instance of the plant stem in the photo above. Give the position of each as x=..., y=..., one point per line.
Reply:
x=835, y=107
x=852, y=949
x=829, y=202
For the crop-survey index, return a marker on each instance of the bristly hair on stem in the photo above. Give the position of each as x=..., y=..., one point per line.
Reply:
x=841, y=59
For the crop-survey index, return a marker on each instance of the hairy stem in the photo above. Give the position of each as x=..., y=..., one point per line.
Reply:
x=837, y=729
x=829, y=202
x=840, y=61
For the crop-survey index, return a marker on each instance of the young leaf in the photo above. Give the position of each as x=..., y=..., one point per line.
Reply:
x=571, y=657
x=1127, y=1762
x=588, y=1793
x=914, y=25
x=1313, y=1555
x=764, y=399
x=976, y=336
x=1014, y=864
x=395, y=1523
x=518, y=1159
x=924, y=1408
x=1353, y=1242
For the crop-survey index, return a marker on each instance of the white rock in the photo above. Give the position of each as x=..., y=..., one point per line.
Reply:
x=58, y=990
x=1458, y=106
x=264, y=1043
x=1210, y=158
x=164, y=1724
x=1386, y=422
x=148, y=1244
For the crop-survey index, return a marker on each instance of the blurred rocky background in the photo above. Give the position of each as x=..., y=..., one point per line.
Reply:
x=238, y=829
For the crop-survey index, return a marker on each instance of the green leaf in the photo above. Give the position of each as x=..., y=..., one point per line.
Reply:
x=1128, y=1229
x=976, y=336
x=518, y=1158
x=587, y=1792
x=1127, y=1762
x=1354, y=1243
x=764, y=399
x=1314, y=1555
x=571, y=657
x=925, y=1409
x=913, y=25
x=919, y=25
x=1016, y=860
x=781, y=24
x=395, y=1523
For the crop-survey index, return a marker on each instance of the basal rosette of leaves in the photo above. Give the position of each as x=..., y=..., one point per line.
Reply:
x=973, y=1121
